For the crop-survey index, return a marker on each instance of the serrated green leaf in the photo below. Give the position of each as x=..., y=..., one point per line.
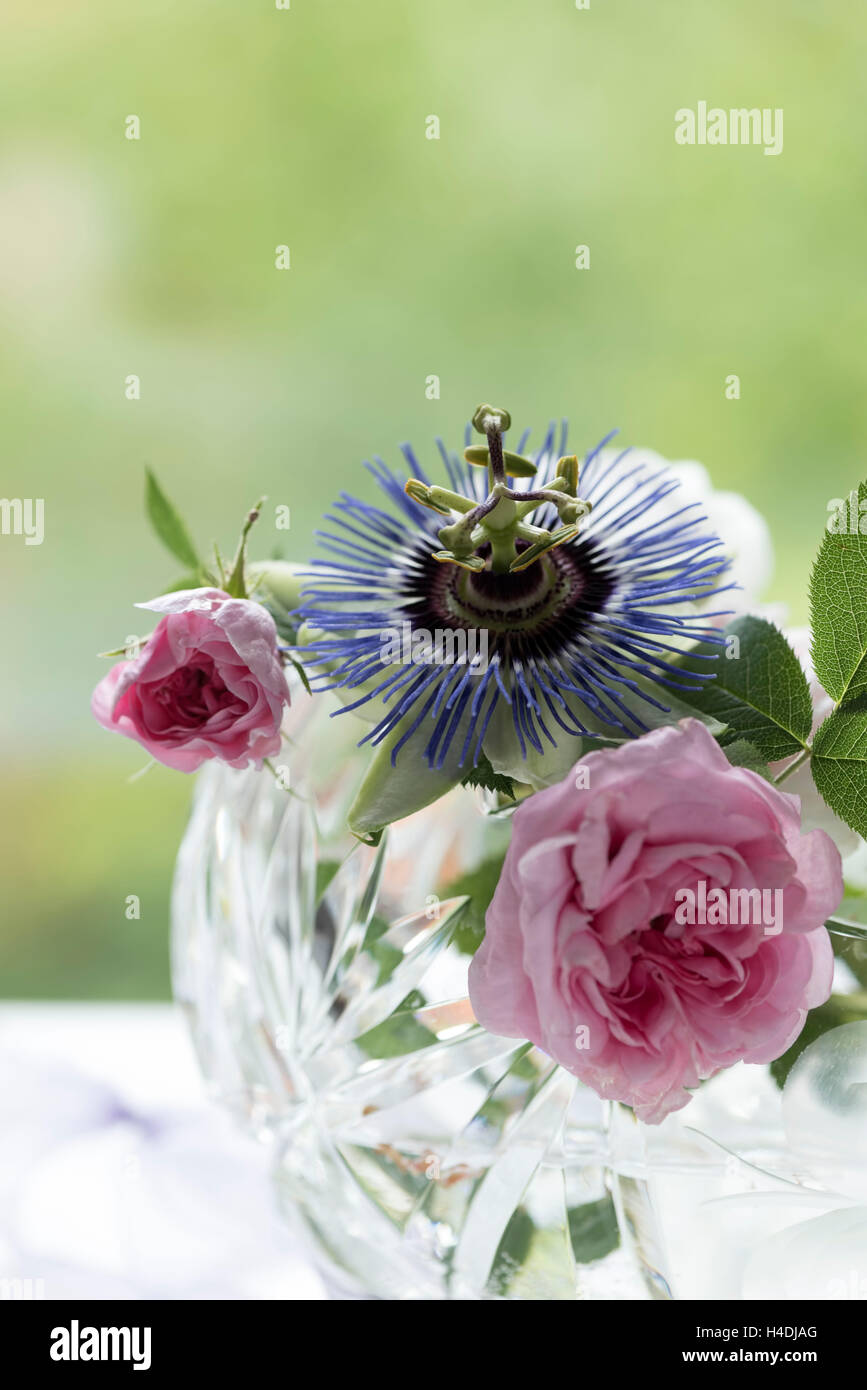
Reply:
x=838, y=611
x=483, y=775
x=762, y=693
x=168, y=525
x=839, y=763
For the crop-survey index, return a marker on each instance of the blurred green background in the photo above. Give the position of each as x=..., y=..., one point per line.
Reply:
x=409, y=257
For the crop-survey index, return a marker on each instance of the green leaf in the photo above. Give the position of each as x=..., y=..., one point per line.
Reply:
x=593, y=1230
x=287, y=630
x=839, y=763
x=483, y=775
x=168, y=524
x=299, y=671
x=741, y=753
x=838, y=610
x=325, y=871
x=186, y=581
x=839, y=1009
x=850, y=949
x=479, y=885
x=512, y=1252
x=397, y=1035
x=761, y=693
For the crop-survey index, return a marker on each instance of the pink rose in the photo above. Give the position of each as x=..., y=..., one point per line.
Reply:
x=584, y=953
x=209, y=683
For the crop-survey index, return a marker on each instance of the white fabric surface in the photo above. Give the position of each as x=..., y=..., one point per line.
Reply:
x=118, y=1178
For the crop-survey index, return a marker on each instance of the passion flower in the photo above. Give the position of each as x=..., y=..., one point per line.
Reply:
x=585, y=582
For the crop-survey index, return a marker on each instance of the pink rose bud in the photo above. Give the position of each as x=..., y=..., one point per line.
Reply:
x=591, y=953
x=209, y=683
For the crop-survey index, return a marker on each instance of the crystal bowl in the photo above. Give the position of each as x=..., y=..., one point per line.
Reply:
x=421, y=1157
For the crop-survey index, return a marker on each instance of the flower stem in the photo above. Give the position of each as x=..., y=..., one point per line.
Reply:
x=797, y=762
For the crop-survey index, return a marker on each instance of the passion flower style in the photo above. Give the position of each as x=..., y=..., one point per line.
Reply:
x=586, y=593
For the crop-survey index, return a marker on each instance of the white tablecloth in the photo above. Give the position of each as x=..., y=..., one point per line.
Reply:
x=118, y=1178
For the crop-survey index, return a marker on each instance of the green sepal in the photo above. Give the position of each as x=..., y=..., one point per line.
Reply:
x=236, y=584
x=389, y=792
x=280, y=578
x=539, y=770
x=372, y=839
